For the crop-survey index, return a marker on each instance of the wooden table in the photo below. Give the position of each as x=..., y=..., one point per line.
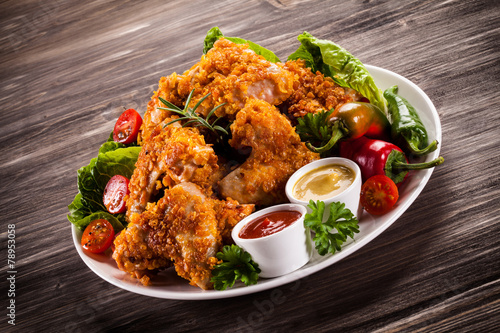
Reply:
x=69, y=68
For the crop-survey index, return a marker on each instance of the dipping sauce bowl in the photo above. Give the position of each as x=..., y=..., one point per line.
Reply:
x=349, y=195
x=280, y=252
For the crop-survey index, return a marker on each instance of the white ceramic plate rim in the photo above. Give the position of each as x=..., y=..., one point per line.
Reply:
x=370, y=227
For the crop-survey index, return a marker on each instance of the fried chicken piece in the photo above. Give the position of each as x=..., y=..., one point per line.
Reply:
x=134, y=255
x=277, y=153
x=185, y=228
x=177, y=154
x=232, y=74
x=229, y=213
x=314, y=92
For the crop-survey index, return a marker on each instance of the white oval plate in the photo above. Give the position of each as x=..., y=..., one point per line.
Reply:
x=169, y=285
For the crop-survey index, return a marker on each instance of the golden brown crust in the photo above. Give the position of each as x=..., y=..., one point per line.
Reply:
x=313, y=92
x=277, y=153
x=177, y=154
x=175, y=217
x=185, y=228
x=231, y=73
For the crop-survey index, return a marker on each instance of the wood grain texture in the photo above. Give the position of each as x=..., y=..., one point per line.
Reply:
x=69, y=68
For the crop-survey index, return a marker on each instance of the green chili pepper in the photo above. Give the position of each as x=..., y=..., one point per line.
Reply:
x=407, y=130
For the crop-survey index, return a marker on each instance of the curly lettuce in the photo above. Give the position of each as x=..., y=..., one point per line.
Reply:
x=334, y=61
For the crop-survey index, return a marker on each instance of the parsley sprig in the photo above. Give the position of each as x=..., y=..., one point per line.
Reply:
x=341, y=219
x=189, y=115
x=237, y=264
x=317, y=129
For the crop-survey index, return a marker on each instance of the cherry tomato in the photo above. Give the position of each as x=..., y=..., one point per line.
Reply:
x=127, y=127
x=379, y=194
x=114, y=194
x=98, y=236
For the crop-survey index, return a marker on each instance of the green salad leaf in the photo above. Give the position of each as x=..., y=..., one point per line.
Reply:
x=334, y=61
x=215, y=34
x=237, y=264
x=113, y=159
x=115, y=220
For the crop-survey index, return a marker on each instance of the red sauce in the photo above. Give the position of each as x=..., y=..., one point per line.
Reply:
x=269, y=224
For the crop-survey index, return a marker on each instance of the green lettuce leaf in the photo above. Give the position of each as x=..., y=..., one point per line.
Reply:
x=115, y=222
x=120, y=161
x=77, y=210
x=113, y=159
x=214, y=34
x=334, y=61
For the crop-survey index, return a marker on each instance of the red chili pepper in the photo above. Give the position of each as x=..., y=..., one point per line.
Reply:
x=377, y=157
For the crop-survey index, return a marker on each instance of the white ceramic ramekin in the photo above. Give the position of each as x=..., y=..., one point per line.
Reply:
x=350, y=197
x=282, y=252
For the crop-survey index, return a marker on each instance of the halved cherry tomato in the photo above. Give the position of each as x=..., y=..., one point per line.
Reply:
x=98, y=236
x=114, y=194
x=379, y=194
x=127, y=127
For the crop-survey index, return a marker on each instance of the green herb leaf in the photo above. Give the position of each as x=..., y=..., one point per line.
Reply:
x=315, y=127
x=319, y=133
x=340, y=219
x=237, y=264
x=190, y=117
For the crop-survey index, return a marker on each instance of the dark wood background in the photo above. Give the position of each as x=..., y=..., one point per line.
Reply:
x=69, y=68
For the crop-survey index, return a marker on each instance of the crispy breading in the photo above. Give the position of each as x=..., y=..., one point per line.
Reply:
x=231, y=73
x=313, y=92
x=177, y=154
x=184, y=201
x=229, y=213
x=277, y=153
x=185, y=228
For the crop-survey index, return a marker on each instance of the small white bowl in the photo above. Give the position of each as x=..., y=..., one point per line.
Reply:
x=350, y=196
x=282, y=252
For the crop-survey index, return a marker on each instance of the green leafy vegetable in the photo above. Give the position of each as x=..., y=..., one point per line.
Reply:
x=114, y=220
x=237, y=264
x=191, y=117
x=120, y=161
x=315, y=127
x=334, y=61
x=113, y=159
x=215, y=34
x=318, y=132
x=340, y=219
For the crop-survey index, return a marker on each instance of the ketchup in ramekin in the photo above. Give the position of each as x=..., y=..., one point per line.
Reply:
x=269, y=224
x=281, y=245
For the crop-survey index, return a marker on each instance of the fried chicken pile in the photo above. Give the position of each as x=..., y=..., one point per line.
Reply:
x=187, y=193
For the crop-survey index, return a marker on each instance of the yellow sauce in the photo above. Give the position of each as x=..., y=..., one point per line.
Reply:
x=323, y=183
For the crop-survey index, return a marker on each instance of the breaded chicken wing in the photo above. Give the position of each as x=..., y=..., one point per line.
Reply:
x=232, y=74
x=177, y=154
x=277, y=153
x=185, y=227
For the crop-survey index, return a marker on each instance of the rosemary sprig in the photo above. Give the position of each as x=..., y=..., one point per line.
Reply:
x=193, y=118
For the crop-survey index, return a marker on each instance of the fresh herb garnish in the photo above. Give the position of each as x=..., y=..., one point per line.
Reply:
x=237, y=264
x=192, y=117
x=340, y=218
x=318, y=129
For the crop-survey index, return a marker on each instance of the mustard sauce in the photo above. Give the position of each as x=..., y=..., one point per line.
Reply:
x=323, y=183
